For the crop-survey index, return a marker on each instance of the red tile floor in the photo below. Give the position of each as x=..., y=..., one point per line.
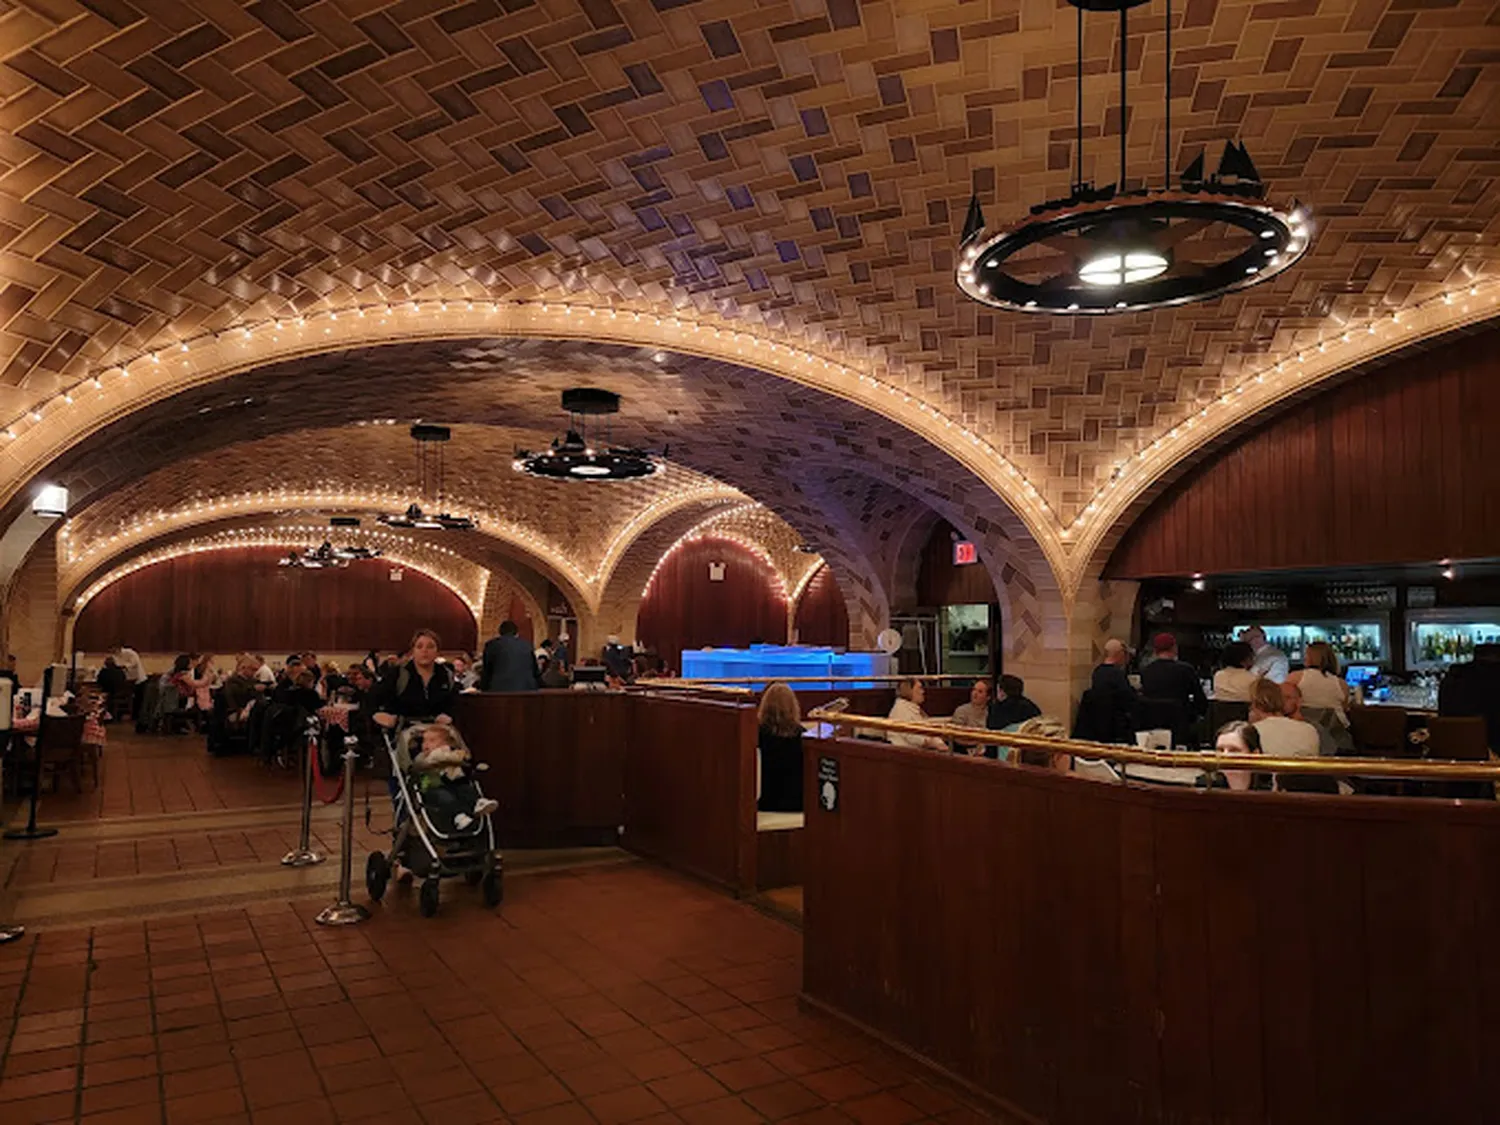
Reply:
x=595, y=995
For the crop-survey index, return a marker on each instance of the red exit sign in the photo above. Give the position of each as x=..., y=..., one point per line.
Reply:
x=964, y=553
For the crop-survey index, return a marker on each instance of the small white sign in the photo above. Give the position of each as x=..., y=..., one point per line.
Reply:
x=397, y=574
x=716, y=572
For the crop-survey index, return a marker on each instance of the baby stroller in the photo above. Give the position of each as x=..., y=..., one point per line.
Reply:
x=427, y=841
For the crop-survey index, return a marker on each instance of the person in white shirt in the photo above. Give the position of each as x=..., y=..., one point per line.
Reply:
x=908, y=709
x=976, y=712
x=1322, y=686
x=130, y=662
x=1233, y=682
x=1281, y=737
x=1270, y=661
x=264, y=674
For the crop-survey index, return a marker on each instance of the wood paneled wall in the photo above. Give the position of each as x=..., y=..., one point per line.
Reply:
x=1398, y=466
x=822, y=617
x=940, y=583
x=240, y=600
x=690, y=787
x=556, y=763
x=685, y=610
x=1100, y=953
x=570, y=768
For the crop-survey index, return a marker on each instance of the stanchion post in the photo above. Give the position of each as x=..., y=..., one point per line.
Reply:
x=31, y=831
x=345, y=912
x=303, y=854
x=9, y=932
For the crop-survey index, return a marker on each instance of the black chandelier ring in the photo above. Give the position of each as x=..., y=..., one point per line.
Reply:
x=1097, y=271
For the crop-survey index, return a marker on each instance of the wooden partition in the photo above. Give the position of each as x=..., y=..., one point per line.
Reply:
x=556, y=761
x=676, y=773
x=690, y=787
x=1094, y=953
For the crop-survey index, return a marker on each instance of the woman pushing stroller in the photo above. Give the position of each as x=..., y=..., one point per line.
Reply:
x=423, y=690
x=443, y=822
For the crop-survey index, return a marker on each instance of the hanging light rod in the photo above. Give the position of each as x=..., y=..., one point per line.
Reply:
x=1116, y=248
x=582, y=456
x=429, y=440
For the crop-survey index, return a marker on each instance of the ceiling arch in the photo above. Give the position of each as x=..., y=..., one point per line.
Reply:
x=50, y=431
x=790, y=179
x=572, y=535
x=729, y=428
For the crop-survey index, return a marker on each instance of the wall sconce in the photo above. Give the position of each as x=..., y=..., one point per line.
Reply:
x=50, y=502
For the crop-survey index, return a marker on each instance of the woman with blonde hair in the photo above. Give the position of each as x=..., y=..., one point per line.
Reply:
x=910, y=695
x=780, y=747
x=1320, y=683
x=1281, y=737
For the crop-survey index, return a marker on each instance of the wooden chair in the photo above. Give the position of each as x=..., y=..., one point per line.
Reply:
x=1461, y=739
x=1222, y=711
x=1380, y=732
x=60, y=743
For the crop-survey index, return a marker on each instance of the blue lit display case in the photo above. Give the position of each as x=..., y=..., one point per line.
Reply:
x=764, y=663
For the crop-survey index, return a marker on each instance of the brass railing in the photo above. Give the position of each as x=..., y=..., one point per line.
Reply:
x=1203, y=761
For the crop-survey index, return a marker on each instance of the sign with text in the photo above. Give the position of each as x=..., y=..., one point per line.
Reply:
x=828, y=784
x=964, y=553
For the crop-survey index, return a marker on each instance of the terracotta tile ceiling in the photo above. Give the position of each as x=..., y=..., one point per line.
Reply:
x=797, y=166
x=575, y=535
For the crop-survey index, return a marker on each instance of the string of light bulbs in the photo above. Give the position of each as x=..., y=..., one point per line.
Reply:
x=815, y=368
x=1290, y=379
x=968, y=447
x=778, y=584
x=591, y=584
x=396, y=549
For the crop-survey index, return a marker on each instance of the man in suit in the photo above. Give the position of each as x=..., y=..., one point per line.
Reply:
x=1107, y=712
x=509, y=663
x=1167, y=678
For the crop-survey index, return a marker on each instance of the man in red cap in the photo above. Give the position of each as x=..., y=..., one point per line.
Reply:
x=1166, y=677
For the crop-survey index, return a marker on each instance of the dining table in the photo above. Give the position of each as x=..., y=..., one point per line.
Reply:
x=93, y=730
x=337, y=714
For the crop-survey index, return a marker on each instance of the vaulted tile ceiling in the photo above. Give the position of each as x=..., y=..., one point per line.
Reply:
x=798, y=167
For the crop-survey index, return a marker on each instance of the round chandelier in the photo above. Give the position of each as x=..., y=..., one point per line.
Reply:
x=1110, y=248
x=576, y=456
x=326, y=557
x=429, y=441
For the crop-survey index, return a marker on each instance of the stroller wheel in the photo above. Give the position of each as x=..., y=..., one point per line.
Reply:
x=377, y=875
x=492, y=888
x=428, y=902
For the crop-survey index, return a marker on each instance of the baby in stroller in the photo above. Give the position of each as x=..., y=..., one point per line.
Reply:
x=443, y=770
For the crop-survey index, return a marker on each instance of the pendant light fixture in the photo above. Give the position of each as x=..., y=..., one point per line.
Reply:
x=429, y=441
x=582, y=456
x=1120, y=249
x=326, y=556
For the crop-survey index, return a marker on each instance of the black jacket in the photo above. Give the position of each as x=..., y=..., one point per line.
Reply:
x=509, y=665
x=780, y=772
x=1008, y=712
x=402, y=692
x=1107, y=711
x=1174, y=679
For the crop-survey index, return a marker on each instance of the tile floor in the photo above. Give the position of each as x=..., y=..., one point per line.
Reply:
x=598, y=996
x=151, y=775
x=594, y=995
